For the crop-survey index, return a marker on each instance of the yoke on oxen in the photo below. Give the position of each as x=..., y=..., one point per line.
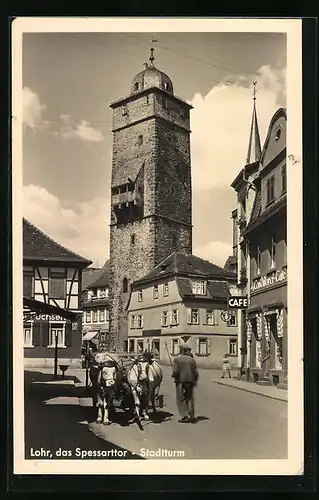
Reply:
x=124, y=380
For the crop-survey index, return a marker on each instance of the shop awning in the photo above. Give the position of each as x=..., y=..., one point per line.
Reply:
x=90, y=335
x=38, y=307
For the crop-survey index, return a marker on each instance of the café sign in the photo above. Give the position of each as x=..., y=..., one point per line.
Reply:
x=279, y=276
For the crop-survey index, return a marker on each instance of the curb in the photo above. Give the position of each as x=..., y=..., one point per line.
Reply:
x=278, y=398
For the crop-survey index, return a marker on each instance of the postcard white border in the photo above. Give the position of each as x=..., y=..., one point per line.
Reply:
x=293, y=465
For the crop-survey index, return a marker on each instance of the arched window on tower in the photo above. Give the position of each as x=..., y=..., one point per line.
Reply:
x=136, y=85
x=125, y=285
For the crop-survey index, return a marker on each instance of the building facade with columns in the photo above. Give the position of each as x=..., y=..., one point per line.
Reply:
x=261, y=241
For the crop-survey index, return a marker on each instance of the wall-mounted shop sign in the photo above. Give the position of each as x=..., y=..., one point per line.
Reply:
x=238, y=302
x=279, y=276
x=47, y=317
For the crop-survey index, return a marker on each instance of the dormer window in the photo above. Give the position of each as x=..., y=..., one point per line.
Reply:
x=199, y=287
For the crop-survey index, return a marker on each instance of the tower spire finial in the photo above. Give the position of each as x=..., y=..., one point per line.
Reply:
x=152, y=51
x=254, y=146
x=254, y=90
x=152, y=56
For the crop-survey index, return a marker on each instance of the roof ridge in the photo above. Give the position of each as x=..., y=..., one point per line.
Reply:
x=84, y=259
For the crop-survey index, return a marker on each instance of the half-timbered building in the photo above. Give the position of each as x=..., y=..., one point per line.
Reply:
x=52, y=275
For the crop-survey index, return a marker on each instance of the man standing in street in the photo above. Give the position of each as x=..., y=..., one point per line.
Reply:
x=185, y=375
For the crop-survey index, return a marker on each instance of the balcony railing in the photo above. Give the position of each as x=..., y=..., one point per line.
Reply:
x=126, y=198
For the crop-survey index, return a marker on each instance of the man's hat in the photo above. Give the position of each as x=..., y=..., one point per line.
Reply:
x=184, y=347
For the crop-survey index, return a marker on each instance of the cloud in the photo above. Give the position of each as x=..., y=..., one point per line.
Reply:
x=80, y=227
x=65, y=127
x=32, y=109
x=220, y=123
x=81, y=130
x=214, y=251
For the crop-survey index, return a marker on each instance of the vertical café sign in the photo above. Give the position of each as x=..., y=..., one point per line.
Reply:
x=274, y=278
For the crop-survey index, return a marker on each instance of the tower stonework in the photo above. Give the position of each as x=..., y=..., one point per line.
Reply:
x=151, y=193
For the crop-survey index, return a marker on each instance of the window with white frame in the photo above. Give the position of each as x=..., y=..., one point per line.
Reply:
x=258, y=259
x=140, y=345
x=165, y=290
x=102, y=293
x=272, y=252
x=88, y=316
x=140, y=295
x=56, y=332
x=211, y=317
x=232, y=351
x=27, y=335
x=202, y=346
x=94, y=316
x=199, y=287
x=193, y=316
x=175, y=347
x=233, y=320
x=140, y=321
x=175, y=317
x=164, y=318
x=102, y=315
x=133, y=321
x=155, y=292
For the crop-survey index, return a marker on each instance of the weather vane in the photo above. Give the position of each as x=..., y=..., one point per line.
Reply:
x=254, y=90
x=152, y=50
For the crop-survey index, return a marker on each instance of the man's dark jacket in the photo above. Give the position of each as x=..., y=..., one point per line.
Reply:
x=185, y=369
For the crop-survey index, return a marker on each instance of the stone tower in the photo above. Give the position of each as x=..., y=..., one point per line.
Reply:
x=151, y=195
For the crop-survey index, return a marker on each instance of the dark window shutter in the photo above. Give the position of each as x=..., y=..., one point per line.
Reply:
x=68, y=334
x=45, y=333
x=36, y=334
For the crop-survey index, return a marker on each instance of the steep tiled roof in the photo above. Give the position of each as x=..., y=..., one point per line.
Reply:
x=104, y=278
x=127, y=170
x=215, y=289
x=39, y=246
x=266, y=214
x=89, y=275
x=256, y=208
x=230, y=263
x=180, y=264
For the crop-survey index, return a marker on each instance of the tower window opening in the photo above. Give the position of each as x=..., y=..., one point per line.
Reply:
x=166, y=86
x=172, y=190
x=164, y=103
x=140, y=139
x=174, y=240
x=124, y=110
x=136, y=86
x=125, y=285
x=132, y=239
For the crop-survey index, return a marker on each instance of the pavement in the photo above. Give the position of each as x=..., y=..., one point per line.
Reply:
x=232, y=422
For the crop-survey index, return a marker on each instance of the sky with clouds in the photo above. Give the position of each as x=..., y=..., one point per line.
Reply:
x=69, y=81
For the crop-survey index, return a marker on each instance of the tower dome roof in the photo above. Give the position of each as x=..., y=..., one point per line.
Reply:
x=151, y=77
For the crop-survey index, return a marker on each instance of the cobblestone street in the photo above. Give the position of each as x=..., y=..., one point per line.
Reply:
x=231, y=423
